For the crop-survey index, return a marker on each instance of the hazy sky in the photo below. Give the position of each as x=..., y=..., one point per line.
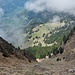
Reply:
x=51, y=5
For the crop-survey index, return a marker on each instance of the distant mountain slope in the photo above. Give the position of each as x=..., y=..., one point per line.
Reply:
x=37, y=35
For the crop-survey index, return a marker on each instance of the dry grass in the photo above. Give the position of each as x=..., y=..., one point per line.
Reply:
x=43, y=28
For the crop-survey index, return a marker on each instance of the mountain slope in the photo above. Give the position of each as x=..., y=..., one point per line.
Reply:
x=9, y=53
x=69, y=48
x=48, y=66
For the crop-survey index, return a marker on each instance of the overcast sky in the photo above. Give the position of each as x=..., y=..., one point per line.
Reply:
x=51, y=5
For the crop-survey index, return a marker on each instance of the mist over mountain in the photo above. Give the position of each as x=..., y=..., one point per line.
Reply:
x=15, y=15
x=10, y=27
x=67, y=6
x=37, y=37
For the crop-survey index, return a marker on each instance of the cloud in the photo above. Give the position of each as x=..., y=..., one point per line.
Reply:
x=11, y=28
x=56, y=18
x=15, y=36
x=12, y=32
x=67, y=6
x=1, y=12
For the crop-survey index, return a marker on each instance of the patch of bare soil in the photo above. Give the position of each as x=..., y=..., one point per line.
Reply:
x=47, y=67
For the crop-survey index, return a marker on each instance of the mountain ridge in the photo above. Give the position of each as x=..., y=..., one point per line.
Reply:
x=9, y=52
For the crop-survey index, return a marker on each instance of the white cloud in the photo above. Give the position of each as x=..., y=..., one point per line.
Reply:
x=56, y=19
x=1, y=12
x=51, y=5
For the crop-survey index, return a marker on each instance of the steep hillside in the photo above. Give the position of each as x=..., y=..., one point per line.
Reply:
x=9, y=53
x=61, y=64
x=69, y=48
